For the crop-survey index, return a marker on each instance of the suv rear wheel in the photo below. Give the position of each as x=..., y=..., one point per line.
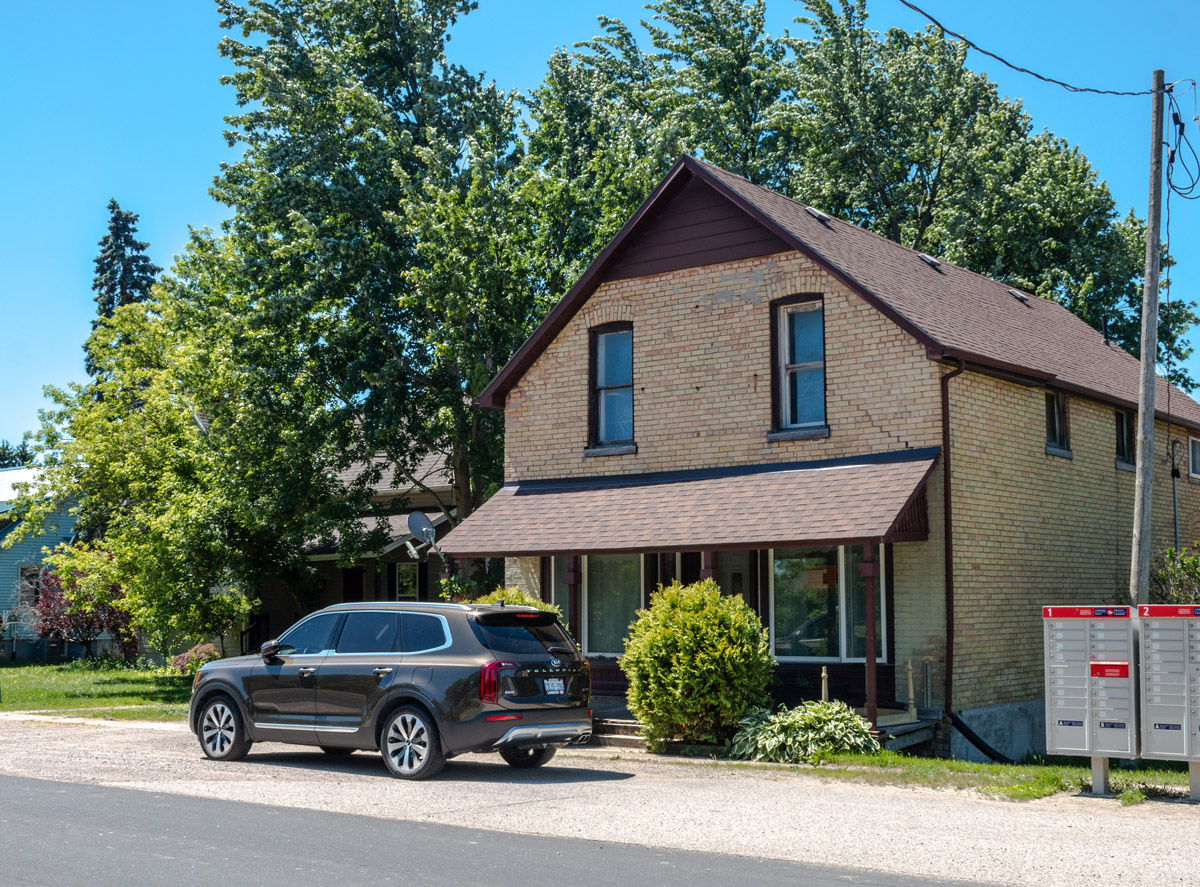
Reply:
x=410, y=746
x=527, y=758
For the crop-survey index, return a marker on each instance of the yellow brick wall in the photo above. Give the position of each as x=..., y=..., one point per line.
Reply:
x=1033, y=529
x=702, y=376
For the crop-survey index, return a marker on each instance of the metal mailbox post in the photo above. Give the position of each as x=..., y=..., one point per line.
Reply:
x=1091, y=685
x=1170, y=686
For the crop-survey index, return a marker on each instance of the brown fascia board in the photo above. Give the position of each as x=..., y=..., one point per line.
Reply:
x=493, y=396
x=891, y=534
x=650, y=549
x=1036, y=378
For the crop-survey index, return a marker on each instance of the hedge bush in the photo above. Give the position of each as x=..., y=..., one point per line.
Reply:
x=696, y=661
x=807, y=733
x=515, y=597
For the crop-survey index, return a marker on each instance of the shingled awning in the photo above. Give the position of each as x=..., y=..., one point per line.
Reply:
x=872, y=499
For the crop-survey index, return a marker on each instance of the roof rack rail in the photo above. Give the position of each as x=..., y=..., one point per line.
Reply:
x=816, y=213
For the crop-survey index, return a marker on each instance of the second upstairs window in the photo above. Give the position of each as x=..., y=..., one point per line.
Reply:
x=800, y=362
x=611, y=371
x=1057, y=437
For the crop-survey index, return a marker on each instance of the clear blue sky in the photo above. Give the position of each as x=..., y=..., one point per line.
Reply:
x=119, y=98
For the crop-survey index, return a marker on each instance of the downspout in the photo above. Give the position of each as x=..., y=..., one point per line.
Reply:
x=948, y=531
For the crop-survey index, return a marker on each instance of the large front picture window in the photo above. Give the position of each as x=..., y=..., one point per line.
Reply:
x=612, y=594
x=818, y=605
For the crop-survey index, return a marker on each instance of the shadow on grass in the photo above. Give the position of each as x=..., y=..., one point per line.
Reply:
x=150, y=688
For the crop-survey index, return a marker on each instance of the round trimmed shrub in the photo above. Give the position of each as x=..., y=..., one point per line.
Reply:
x=515, y=597
x=696, y=661
x=807, y=733
x=190, y=661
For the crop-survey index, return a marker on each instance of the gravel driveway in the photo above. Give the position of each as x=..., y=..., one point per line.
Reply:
x=632, y=798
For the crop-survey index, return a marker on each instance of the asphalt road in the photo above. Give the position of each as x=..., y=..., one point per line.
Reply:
x=55, y=833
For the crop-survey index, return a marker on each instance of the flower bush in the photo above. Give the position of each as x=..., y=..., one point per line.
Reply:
x=190, y=662
x=807, y=733
x=696, y=661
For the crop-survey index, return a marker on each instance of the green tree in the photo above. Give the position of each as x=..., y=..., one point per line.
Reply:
x=15, y=455
x=124, y=273
x=360, y=142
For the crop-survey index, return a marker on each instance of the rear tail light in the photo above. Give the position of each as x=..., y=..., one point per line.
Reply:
x=489, y=679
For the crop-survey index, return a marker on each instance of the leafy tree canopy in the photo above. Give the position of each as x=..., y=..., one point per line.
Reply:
x=15, y=455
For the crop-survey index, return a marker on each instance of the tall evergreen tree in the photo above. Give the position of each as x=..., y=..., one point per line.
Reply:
x=124, y=273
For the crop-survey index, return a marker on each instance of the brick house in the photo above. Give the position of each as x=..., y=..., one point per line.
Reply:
x=831, y=425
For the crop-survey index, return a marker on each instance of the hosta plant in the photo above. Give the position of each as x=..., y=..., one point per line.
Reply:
x=807, y=733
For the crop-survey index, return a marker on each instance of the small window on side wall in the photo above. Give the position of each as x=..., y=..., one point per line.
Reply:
x=1056, y=422
x=1194, y=457
x=1126, y=436
x=798, y=351
x=611, y=373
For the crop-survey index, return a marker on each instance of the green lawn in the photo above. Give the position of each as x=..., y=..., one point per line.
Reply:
x=130, y=695
x=1020, y=782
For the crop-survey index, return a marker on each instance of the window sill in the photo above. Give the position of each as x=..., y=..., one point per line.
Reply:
x=1122, y=465
x=613, y=450
x=1052, y=450
x=798, y=434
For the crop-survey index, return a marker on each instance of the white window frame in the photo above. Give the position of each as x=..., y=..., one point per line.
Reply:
x=37, y=588
x=584, y=628
x=1193, y=464
x=843, y=626
x=785, y=369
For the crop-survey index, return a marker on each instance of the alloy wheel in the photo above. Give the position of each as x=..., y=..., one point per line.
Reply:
x=408, y=743
x=218, y=729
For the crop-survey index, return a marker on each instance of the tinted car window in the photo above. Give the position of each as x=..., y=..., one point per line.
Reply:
x=518, y=639
x=421, y=632
x=369, y=633
x=311, y=636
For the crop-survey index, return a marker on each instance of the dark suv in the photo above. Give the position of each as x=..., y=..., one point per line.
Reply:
x=420, y=682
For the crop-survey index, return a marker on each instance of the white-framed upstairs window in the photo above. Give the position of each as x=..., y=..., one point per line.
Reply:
x=818, y=605
x=1194, y=457
x=799, y=357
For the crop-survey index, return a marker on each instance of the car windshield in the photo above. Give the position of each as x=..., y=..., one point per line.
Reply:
x=513, y=635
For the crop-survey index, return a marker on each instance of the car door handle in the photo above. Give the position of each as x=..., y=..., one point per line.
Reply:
x=380, y=672
x=307, y=672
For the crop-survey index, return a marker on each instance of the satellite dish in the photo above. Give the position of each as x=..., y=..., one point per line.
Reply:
x=421, y=528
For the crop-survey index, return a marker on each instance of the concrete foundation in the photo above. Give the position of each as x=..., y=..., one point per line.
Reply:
x=1014, y=729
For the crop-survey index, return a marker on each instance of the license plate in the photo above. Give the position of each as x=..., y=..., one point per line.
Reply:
x=554, y=686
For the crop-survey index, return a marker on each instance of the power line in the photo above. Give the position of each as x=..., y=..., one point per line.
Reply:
x=1067, y=86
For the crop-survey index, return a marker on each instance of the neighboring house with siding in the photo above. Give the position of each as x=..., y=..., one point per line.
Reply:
x=829, y=424
x=21, y=563
x=389, y=574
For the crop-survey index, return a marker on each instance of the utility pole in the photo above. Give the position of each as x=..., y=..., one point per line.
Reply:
x=1139, y=573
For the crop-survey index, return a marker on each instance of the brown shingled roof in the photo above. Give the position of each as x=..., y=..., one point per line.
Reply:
x=431, y=471
x=758, y=507
x=956, y=313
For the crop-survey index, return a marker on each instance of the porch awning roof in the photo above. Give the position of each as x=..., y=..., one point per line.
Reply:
x=870, y=499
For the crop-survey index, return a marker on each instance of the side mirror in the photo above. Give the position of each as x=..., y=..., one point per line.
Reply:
x=270, y=649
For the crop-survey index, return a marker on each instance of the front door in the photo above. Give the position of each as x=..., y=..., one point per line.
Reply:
x=282, y=690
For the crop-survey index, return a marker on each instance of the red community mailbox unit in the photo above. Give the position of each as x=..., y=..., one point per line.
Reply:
x=1091, y=681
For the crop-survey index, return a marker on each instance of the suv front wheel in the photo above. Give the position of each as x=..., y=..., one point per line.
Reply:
x=222, y=735
x=410, y=745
